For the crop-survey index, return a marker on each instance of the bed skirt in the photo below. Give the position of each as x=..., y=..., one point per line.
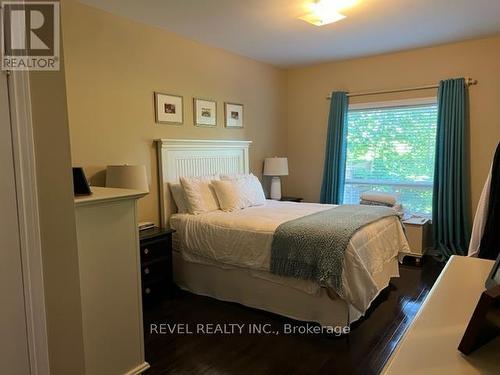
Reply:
x=238, y=285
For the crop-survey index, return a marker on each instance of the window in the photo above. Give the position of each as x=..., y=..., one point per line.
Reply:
x=390, y=148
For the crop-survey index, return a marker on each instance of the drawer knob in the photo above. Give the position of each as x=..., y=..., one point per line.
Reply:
x=146, y=251
x=148, y=290
x=146, y=271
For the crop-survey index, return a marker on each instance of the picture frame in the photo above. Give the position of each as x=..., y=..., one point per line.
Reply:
x=493, y=279
x=204, y=112
x=169, y=109
x=233, y=113
x=80, y=183
x=484, y=323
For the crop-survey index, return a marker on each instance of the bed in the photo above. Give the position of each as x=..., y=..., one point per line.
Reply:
x=226, y=255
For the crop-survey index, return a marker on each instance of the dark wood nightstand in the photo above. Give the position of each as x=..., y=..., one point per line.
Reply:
x=156, y=264
x=291, y=199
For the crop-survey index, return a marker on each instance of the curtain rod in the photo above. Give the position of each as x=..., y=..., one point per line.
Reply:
x=468, y=81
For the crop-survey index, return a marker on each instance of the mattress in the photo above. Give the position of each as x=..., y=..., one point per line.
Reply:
x=242, y=239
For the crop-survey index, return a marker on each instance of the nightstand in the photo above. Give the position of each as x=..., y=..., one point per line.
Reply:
x=291, y=199
x=418, y=232
x=156, y=264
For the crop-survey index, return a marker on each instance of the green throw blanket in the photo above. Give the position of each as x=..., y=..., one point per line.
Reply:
x=313, y=247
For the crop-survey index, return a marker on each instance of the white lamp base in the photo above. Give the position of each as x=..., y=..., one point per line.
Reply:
x=276, y=188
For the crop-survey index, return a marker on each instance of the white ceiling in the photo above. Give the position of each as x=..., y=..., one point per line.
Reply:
x=269, y=31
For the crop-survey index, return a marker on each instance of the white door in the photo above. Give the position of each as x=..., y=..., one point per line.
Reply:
x=14, y=358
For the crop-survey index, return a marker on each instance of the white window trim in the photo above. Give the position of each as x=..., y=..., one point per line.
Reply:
x=394, y=103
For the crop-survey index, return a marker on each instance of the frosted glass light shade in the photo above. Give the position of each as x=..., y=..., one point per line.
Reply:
x=276, y=166
x=127, y=177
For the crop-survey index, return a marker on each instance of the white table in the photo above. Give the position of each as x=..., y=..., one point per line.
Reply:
x=430, y=344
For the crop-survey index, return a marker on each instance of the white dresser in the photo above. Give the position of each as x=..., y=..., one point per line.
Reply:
x=108, y=252
x=430, y=345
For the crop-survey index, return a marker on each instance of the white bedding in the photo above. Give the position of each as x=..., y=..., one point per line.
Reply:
x=243, y=239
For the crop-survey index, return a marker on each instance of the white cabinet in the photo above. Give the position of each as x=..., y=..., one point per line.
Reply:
x=419, y=235
x=108, y=253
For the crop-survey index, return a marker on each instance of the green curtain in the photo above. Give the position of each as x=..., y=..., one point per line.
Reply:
x=332, y=188
x=450, y=202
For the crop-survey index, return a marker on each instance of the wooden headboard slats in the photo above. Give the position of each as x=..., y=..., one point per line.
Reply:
x=195, y=157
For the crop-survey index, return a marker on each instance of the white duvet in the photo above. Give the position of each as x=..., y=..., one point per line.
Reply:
x=243, y=239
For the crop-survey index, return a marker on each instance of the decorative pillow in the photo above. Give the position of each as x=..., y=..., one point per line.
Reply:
x=250, y=188
x=179, y=198
x=255, y=191
x=229, y=195
x=200, y=194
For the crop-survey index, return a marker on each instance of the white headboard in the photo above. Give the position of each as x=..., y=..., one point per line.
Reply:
x=194, y=157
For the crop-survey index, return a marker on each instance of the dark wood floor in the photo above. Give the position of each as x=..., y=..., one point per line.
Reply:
x=364, y=351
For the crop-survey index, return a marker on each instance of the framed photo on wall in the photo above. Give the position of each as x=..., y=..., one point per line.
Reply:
x=168, y=109
x=234, y=115
x=205, y=112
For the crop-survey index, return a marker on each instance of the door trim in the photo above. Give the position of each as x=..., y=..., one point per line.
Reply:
x=29, y=224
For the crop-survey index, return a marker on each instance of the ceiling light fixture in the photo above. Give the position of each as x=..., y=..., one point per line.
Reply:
x=323, y=12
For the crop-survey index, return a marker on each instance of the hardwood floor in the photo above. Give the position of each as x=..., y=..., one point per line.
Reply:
x=364, y=351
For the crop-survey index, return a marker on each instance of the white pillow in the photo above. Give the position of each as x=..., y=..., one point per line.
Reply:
x=179, y=198
x=200, y=194
x=229, y=195
x=250, y=188
x=255, y=191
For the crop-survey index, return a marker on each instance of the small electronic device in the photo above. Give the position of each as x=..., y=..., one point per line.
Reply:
x=416, y=220
x=146, y=225
x=80, y=183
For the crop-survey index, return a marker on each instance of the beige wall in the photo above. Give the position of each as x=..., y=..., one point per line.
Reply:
x=113, y=66
x=57, y=222
x=308, y=109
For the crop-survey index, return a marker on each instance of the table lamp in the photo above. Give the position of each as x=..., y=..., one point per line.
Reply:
x=127, y=177
x=276, y=167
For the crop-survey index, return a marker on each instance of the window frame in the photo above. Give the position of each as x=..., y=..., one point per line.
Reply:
x=411, y=102
x=428, y=100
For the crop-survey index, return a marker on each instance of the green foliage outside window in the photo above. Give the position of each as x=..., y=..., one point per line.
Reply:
x=392, y=150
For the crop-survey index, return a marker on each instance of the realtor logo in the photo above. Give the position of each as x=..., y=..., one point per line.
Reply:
x=30, y=35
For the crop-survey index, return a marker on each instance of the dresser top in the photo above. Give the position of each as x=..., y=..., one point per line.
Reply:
x=430, y=344
x=101, y=194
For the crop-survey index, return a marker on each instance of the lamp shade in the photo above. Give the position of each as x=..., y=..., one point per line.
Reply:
x=276, y=166
x=127, y=177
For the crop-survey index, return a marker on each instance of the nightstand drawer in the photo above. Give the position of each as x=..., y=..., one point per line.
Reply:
x=152, y=250
x=156, y=264
x=156, y=271
x=155, y=291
